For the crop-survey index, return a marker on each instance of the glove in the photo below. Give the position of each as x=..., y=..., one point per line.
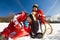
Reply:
x=3, y=38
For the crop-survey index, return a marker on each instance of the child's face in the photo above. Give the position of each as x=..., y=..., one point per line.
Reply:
x=29, y=19
x=34, y=8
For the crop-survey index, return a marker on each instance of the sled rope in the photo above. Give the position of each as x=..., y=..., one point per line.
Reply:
x=46, y=29
x=50, y=27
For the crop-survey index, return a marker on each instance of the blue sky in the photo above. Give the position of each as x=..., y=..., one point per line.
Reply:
x=49, y=7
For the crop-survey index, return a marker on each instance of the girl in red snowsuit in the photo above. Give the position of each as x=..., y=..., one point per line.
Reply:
x=14, y=28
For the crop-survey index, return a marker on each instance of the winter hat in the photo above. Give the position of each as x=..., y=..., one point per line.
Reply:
x=35, y=5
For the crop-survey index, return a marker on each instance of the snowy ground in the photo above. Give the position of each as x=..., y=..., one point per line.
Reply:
x=54, y=36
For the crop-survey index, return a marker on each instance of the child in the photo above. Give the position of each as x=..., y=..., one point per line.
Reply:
x=15, y=27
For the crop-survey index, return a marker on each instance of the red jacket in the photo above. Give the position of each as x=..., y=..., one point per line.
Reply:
x=40, y=15
x=15, y=26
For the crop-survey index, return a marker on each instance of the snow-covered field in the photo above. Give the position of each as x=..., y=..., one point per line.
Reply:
x=54, y=36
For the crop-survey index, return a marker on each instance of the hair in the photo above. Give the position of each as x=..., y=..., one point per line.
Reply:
x=35, y=5
x=30, y=15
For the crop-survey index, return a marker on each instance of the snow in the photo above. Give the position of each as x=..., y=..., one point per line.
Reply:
x=54, y=36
